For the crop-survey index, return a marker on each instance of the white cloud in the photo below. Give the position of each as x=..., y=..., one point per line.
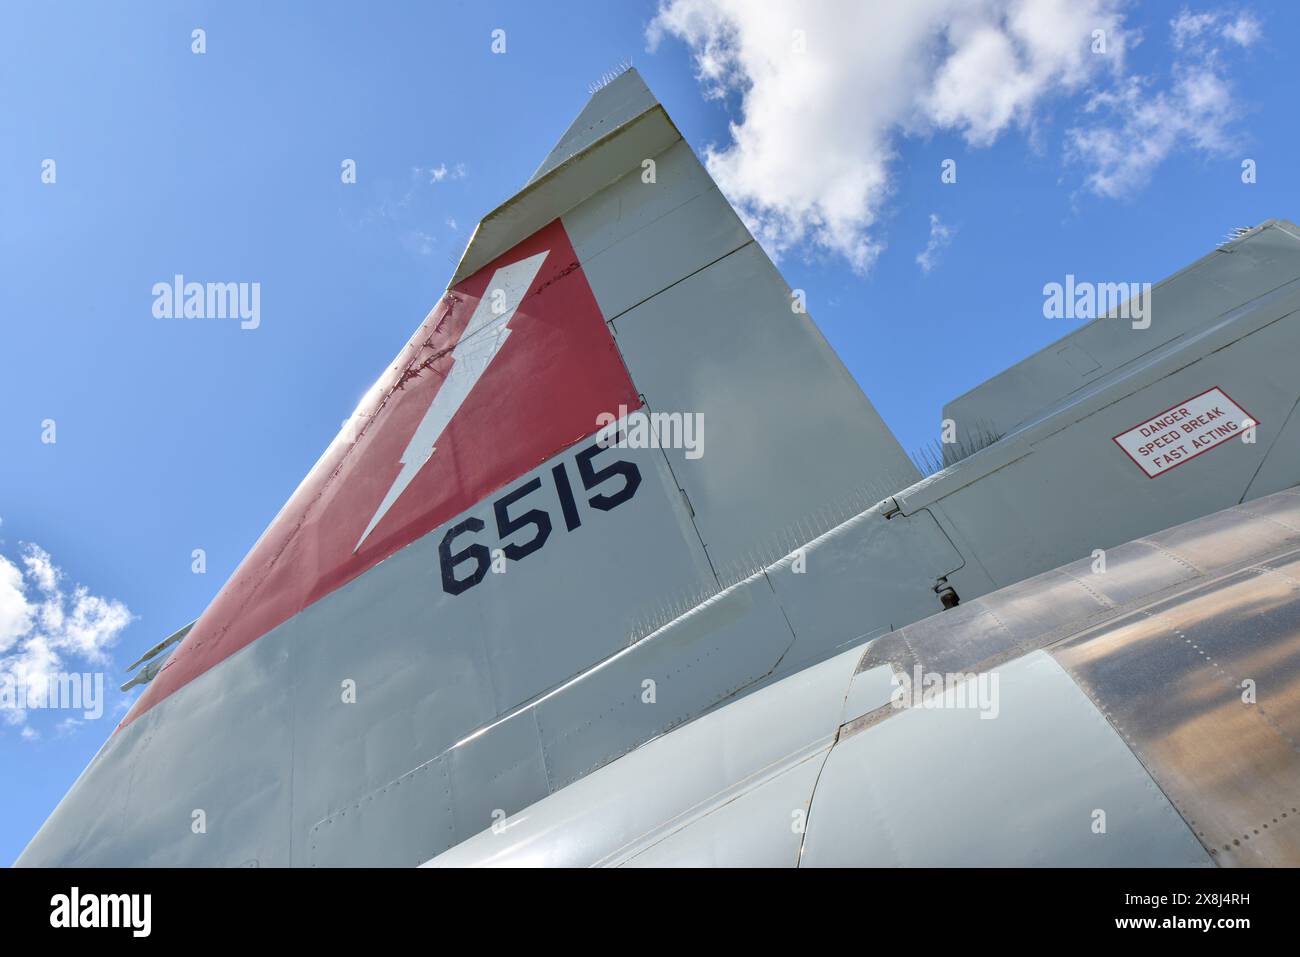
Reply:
x=940, y=236
x=810, y=157
x=827, y=90
x=46, y=629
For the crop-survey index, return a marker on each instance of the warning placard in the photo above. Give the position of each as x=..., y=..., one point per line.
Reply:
x=1182, y=432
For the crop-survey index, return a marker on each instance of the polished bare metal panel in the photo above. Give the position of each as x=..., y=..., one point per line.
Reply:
x=1221, y=540
x=1175, y=681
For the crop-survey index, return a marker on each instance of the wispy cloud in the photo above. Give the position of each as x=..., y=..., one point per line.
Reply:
x=1191, y=30
x=418, y=242
x=441, y=172
x=940, y=236
x=412, y=209
x=1135, y=127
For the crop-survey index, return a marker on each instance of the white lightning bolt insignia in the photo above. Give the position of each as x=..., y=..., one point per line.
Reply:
x=482, y=339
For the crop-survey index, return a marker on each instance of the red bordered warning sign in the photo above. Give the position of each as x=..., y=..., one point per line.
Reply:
x=1182, y=432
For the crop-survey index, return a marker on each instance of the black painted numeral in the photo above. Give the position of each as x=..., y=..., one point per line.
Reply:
x=507, y=526
x=591, y=477
x=567, y=505
x=478, y=552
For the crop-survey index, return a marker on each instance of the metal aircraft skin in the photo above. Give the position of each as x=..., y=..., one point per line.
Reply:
x=616, y=563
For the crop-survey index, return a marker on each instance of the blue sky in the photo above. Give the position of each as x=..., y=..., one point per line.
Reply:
x=176, y=436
